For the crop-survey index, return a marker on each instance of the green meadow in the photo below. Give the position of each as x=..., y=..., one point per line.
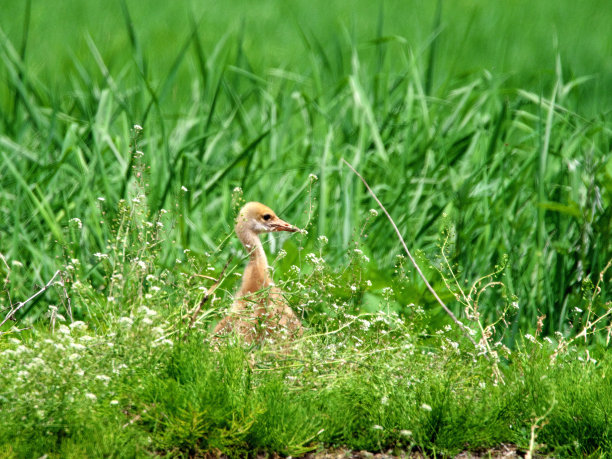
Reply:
x=132, y=132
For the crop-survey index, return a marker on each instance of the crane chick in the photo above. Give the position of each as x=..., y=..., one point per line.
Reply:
x=259, y=311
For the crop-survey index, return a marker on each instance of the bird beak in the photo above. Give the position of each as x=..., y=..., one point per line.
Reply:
x=281, y=225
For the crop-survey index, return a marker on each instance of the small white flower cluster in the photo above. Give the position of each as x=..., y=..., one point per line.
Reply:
x=362, y=255
x=77, y=222
x=317, y=262
x=452, y=345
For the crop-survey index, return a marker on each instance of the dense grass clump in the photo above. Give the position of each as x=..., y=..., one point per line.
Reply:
x=145, y=375
x=126, y=151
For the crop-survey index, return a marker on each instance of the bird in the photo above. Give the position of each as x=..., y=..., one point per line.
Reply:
x=259, y=310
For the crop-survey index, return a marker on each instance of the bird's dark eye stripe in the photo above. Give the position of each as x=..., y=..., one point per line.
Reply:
x=267, y=217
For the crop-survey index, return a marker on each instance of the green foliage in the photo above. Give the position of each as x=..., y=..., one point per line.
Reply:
x=522, y=171
x=145, y=378
x=122, y=173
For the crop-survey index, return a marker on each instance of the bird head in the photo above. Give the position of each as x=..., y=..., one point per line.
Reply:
x=257, y=218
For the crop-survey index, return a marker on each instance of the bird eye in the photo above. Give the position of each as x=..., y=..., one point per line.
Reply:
x=267, y=217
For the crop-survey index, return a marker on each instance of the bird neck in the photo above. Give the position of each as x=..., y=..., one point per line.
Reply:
x=256, y=275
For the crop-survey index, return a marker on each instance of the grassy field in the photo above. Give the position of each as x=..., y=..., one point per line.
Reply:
x=485, y=131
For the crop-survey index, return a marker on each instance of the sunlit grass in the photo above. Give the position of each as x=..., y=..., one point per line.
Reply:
x=124, y=176
x=142, y=374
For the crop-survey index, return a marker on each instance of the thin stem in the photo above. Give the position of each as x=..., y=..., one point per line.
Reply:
x=20, y=305
x=399, y=235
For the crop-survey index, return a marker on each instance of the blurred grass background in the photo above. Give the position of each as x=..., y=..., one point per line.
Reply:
x=492, y=118
x=518, y=40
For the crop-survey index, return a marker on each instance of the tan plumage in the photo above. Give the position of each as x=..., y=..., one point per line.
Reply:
x=259, y=310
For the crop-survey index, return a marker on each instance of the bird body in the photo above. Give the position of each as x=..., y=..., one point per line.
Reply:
x=259, y=311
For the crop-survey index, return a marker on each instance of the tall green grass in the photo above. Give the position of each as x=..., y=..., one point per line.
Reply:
x=231, y=101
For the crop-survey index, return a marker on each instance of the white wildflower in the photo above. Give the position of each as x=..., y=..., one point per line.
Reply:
x=323, y=240
x=36, y=362
x=91, y=396
x=137, y=127
x=184, y=188
x=79, y=325
x=146, y=311
x=373, y=213
x=377, y=427
x=125, y=321
x=313, y=178
x=426, y=407
x=105, y=379
x=76, y=221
